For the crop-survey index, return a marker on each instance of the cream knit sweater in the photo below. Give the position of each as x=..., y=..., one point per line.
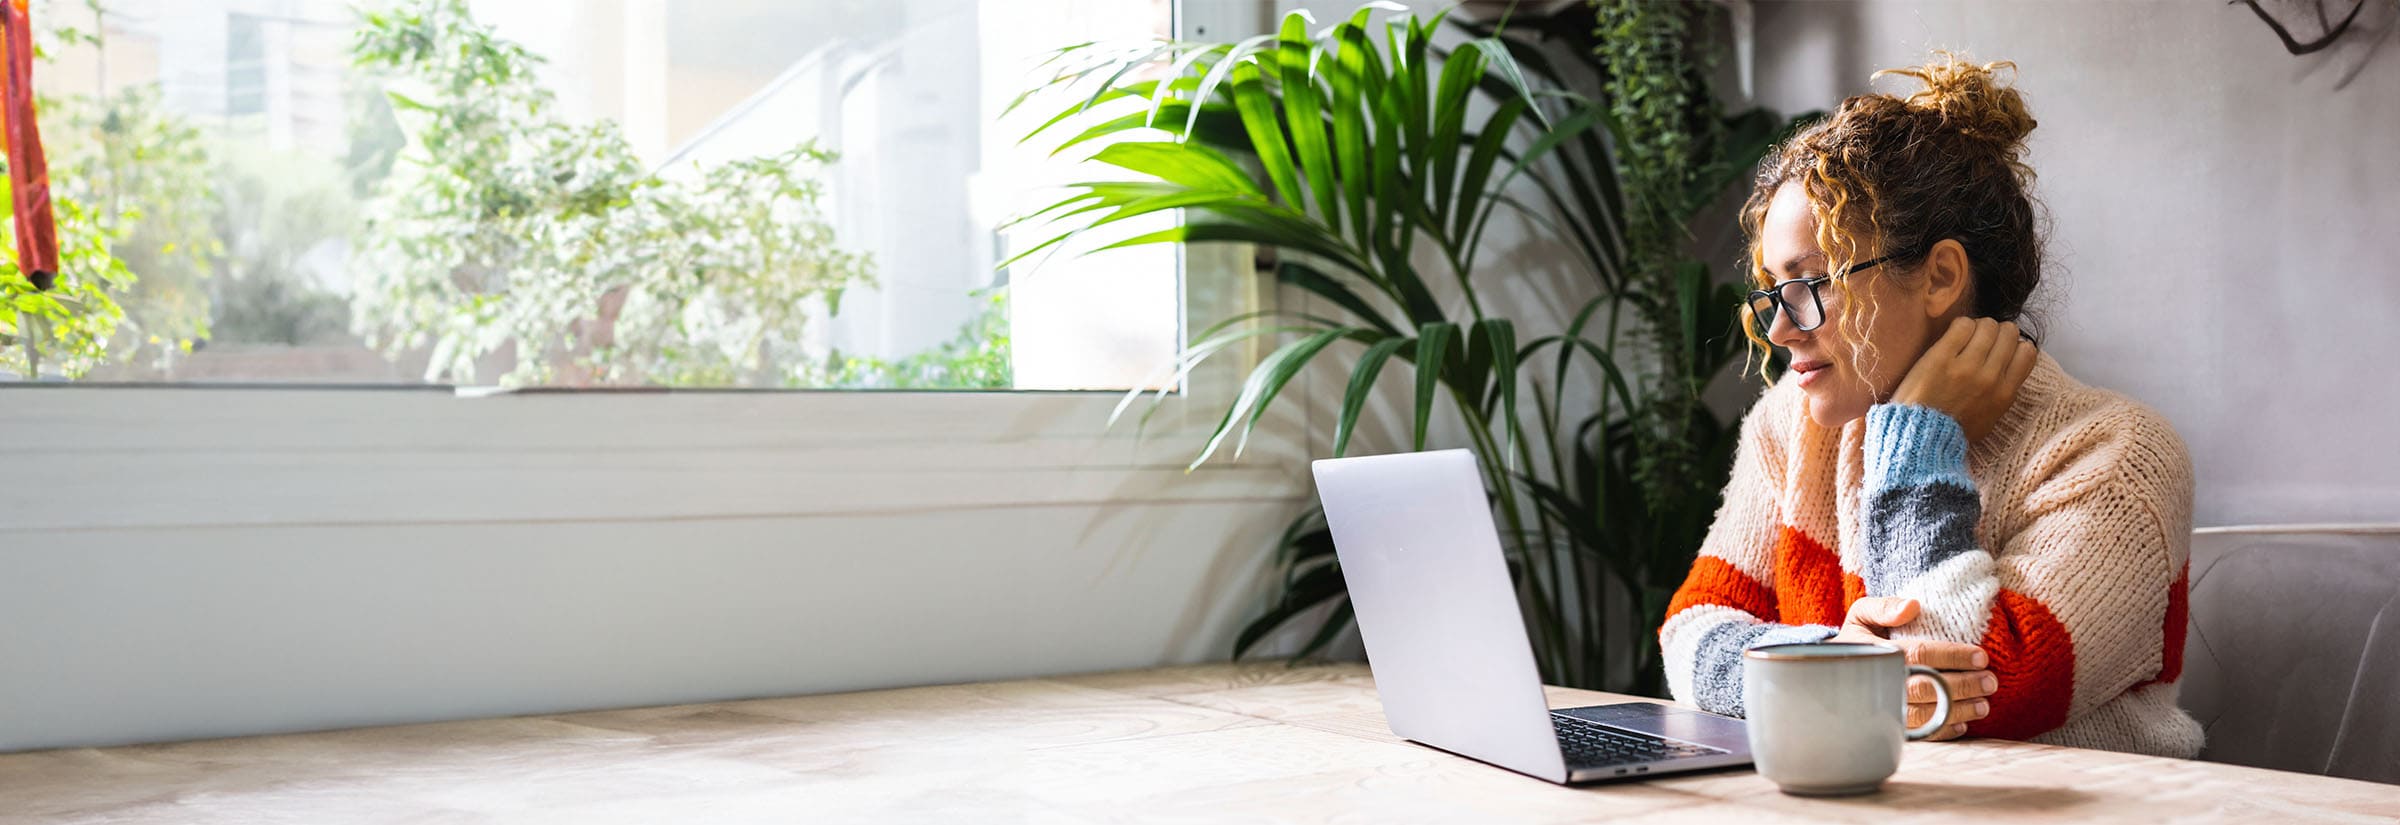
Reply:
x=2058, y=544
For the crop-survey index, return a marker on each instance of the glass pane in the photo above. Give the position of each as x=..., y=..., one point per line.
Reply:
x=698, y=193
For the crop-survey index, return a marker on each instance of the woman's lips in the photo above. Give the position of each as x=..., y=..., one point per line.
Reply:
x=1810, y=371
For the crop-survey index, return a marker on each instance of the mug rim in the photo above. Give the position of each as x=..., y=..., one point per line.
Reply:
x=1861, y=650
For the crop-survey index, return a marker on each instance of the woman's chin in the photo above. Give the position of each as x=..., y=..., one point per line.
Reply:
x=1832, y=413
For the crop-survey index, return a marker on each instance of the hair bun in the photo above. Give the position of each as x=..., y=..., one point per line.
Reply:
x=1970, y=99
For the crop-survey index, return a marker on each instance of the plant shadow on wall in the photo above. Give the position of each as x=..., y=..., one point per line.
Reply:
x=1374, y=164
x=2344, y=33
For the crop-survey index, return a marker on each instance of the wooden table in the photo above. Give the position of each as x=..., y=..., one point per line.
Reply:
x=1220, y=743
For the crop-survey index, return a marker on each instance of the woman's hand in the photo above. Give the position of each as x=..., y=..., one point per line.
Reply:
x=1964, y=667
x=1971, y=374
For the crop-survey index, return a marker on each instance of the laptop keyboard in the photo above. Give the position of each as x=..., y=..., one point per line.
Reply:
x=1590, y=744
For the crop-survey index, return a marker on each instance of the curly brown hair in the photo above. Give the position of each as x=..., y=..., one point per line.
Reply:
x=1889, y=175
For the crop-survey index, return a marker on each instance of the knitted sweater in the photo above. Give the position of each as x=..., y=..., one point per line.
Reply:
x=2057, y=543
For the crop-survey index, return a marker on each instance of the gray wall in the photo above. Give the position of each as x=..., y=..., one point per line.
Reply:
x=2224, y=217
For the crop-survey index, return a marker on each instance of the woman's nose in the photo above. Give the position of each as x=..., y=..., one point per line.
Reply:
x=1783, y=333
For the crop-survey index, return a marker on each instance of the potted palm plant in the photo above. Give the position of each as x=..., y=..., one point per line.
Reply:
x=1373, y=164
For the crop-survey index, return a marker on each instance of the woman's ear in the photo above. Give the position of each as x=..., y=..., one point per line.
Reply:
x=1949, y=281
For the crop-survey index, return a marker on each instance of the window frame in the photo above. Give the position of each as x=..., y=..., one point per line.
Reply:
x=212, y=455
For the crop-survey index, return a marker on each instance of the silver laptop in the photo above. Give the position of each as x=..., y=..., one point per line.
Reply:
x=1447, y=643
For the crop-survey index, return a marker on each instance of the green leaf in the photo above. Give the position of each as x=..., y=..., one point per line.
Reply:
x=406, y=102
x=1261, y=224
x=1219, y=202
x=1433, y=350
x=1135, y=90
x=1304, y=114
x=1459, y=74
x=1358, y=16
x=1065, y=51
x=1350, y=124
x=1125, y=68
x=1304, y=539
x=1608, y=367
x=1574, y=332
x=1389, y=192
x=1264, y=382
x=1472, y=380
x=1691, y=282
x=1503, y=337
x=1497, y=54
x=1362, y=384
x=1566, y=130
x=1268, y=378
x=1195, y=354
x=1335, y=622
x=1567, y=224
x=1223, y=69
x=1176, y=74
x=1319, y=586
x=1093, y=196
x=1487, y=150
x=1266, y=134
x=1117, y=57
x=1417, y=88
x=1307, y=277
x=1191, y=164
x=1220, y=125
x=1020, y=99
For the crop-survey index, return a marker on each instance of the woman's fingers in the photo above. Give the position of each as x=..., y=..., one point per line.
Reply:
x=1970, y=358
x=1964, y=685
x=2020, y=365
x=1960, y=712
x=2003, y=349
x=1881, y=612
x=1946, y=655
x=1953, y=341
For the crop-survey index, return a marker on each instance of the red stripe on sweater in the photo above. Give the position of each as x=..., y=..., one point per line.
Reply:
x=2034, y=660
x=1714, y=581
x=2179, y=617
x=1809, y=586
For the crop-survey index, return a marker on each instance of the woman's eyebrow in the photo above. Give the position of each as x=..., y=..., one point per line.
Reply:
x=1794, y=264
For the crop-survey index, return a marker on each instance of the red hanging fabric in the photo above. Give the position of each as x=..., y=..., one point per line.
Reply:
x=28, y=175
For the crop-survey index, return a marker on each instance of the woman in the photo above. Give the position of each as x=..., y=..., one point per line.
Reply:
x=1923, y=474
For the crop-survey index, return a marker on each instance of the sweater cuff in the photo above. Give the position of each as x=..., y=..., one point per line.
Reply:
x=1799, y=634
x=1910, y=446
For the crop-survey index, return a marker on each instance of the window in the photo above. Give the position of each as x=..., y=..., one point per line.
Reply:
x=245, y=65
x=579, y=193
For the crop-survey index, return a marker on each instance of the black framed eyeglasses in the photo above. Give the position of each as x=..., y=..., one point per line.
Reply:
x=1799, y=297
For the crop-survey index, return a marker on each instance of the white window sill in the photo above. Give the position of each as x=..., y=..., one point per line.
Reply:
x=118, y=458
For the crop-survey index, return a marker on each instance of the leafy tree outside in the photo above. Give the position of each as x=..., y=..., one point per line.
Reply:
x=507, y=234
x=505, y=243
x=977, y=358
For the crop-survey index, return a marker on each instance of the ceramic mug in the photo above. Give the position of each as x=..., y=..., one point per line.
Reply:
x=1827, y=719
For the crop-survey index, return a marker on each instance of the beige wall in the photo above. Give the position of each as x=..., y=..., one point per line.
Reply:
x=2224, y=214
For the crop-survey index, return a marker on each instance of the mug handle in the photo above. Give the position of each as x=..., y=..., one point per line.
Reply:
x=1941, y=708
